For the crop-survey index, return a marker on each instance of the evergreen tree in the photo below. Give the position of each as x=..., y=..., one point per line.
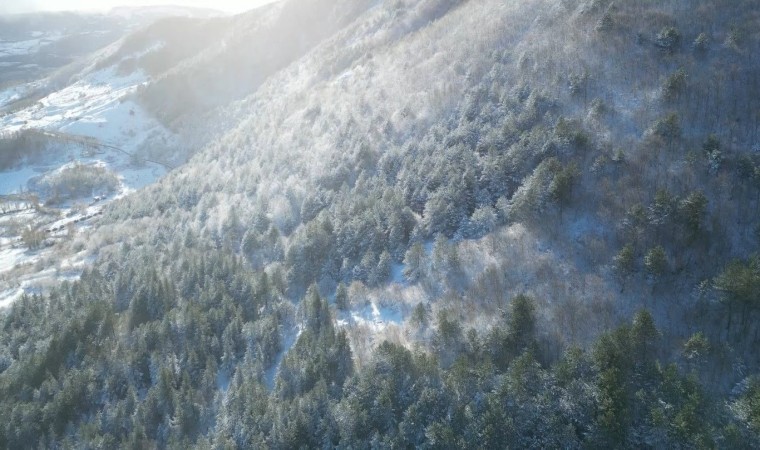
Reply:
x=341, y=297
x=656, y=261
x=414, y=260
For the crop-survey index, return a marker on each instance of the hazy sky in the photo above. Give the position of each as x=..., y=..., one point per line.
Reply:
x=20, y=6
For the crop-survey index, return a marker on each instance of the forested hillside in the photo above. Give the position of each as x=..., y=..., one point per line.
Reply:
x=435, y=223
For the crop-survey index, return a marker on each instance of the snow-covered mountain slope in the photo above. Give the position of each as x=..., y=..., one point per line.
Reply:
x=460, y=118
x=432, y=223
x=101, y=111
x=397, y=122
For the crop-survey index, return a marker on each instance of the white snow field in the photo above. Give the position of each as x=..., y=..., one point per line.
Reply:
x=95, y=107
x=28, y=46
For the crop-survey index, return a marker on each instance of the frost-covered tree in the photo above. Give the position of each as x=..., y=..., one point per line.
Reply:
x=482, y=222
x=414, y=262
x=692, y=210
x=625, y=260
x=669, y=39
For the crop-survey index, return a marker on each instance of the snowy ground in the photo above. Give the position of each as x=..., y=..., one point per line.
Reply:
x=28, y=46
x=372, y=315
x=11, y=256
x=96, y=106
x=30, y=271
x=388, y=307
x=12, y=94
x=288, y=342
x=14, y=181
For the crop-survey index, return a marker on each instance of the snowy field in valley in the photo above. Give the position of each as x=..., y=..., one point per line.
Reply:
x=95, y=109
x=27, y=46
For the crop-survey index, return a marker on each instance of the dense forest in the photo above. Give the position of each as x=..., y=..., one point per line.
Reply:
x=552, y=208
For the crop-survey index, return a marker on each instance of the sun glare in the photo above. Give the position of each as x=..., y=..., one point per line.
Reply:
x=21, y=6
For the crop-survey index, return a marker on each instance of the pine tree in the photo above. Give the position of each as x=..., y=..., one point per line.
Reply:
x=739, y=284
x=414, y=262
x=522, y=322
x=341, y=297
x=656, y=261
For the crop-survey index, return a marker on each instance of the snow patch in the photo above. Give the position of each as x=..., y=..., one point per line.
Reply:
x=373, y=316
x=14, y=182
x=11, y=257
x=223, y=381
x=271, y=374
x=397, y=273
x=28, y=46
x=96, y=106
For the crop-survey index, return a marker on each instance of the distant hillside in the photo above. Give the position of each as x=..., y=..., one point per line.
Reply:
x=207, y=65
x=34, y=45
x=151, y=13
